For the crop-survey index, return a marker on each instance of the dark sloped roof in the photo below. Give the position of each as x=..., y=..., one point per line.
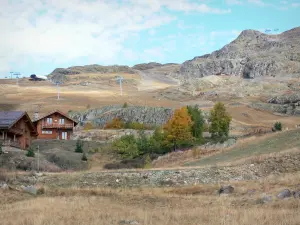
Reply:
x=56, y=111
x=8, y=118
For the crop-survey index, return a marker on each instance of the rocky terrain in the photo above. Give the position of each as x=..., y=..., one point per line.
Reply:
x=174, y=177
x=253, y=54
x=142, y=114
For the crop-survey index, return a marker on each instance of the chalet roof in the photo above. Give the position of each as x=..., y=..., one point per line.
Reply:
x=56, y=111
x=9, y=118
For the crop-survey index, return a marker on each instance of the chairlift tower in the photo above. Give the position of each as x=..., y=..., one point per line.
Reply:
x=17, y=76
x=120, y=79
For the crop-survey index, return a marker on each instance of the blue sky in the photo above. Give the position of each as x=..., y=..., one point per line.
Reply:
x=38, y=36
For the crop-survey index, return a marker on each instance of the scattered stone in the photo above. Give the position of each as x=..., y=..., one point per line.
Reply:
x=3, y=186
x=128, y=222
x=265, y=199
x=286, y=193
x=296, y=194
x=226, y=190
x=30, y=189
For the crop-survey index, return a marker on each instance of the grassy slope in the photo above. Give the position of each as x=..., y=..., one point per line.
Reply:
x=279, y=142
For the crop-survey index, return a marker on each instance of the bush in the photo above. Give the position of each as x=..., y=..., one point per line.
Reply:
x=125, y=105
x=127, y=147
x=116, y=123
x=30, y=153
x=84, y=157
x=78, y=148
x=148, y=164
x=278, y=126
x=88, y=126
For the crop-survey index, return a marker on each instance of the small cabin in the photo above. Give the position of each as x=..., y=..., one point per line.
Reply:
x=55, y=125
x=16, y=129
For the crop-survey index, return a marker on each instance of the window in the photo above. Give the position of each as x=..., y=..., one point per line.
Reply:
x=61, y=121
x=49, y=120
x=46, y=131
x=64, y=135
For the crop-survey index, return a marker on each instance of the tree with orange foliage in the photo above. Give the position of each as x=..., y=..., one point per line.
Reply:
x=178, y=128
x=116, y=123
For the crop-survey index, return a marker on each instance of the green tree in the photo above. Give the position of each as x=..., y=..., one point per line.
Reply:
x=127, y=147
x=125, y=105
x=30, y=152
x=143, y=142
x=158, y=143
x=219, y=121
x=198, y=121
x=78, y=147
x=178, y=128
x=278, y=126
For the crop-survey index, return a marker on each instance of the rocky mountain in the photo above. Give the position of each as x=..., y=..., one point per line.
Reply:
x=252, y=54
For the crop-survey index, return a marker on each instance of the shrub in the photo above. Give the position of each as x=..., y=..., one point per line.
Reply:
x=148, y=164
x=88, y=126
x=30, y=152
x=78, y=148
x=278, y=126
x=84, y=157
x=125, y=105
x=127, y=147
x=116, y=123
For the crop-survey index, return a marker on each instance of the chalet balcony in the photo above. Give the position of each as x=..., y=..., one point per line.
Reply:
x=57, y=125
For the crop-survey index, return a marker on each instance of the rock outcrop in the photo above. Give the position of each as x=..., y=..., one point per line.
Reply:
x=141, y=114
x=60, y=74
x=252, y=54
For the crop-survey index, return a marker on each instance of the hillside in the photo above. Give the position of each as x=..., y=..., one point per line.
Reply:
x=252, y=54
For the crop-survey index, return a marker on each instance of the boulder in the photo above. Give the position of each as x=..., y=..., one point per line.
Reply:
x=3, y=186
x=226, y=190
x=296, y=194
x=286, y=193
x=128, y=222
x=30, y=189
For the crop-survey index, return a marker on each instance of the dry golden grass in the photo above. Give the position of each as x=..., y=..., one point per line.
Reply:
x=162, y=206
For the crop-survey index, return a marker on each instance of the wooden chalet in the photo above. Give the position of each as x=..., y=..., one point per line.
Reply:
x=16, y=129
x=55, y=125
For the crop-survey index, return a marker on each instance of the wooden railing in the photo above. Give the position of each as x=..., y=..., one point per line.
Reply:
x=11, y=143
x=57, y=125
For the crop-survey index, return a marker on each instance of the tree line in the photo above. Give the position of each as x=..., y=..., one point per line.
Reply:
x=184, y=129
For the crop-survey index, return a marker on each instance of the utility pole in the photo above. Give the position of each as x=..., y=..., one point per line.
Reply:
x=38, y=159
x=57, y=84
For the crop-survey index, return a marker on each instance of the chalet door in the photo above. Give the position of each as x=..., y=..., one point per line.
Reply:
x=64, y=135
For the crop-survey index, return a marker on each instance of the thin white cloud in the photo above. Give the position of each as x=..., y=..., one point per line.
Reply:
x=257, y=2
x=62, y=31
x=234, y=2
x=295, y=5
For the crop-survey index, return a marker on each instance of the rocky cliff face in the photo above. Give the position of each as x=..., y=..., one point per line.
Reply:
x=146, y=115
x=252, y=54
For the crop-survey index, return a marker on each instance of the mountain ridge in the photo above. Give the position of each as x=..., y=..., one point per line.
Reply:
x=251, y=54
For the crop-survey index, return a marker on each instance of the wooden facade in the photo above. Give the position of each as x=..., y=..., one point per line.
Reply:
x=16, y=129
x=55, y=125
